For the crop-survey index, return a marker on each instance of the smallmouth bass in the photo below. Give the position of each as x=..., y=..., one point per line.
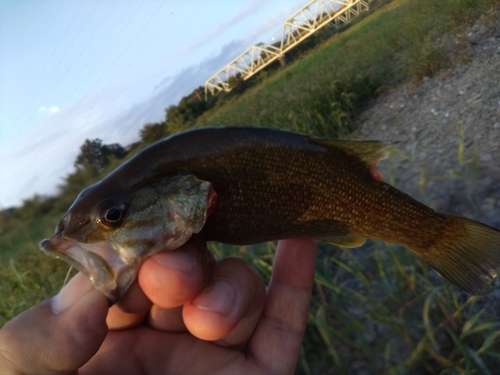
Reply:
x=244, y=185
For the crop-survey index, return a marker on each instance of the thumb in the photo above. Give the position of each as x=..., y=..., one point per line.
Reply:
x=58, y=335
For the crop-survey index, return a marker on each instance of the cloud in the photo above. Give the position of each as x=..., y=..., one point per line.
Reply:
x=131, y=121
x=271, y=24
x=49, y=110
x=47, y=153
x=248, y=9
x=44, y=157
x=162, y=83
x=271, y=28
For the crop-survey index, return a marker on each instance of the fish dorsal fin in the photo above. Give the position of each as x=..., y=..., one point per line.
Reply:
x=343, y=241
x=370, y=152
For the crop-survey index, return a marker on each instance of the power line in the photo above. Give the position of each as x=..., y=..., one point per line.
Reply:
x=152, y=39
x=46, y=64
x=83, y=46
x=68, y=113
x=70, y=46
x=113, y=42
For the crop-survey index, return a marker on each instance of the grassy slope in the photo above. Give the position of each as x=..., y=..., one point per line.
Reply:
x=377, y=308
x=382, y=49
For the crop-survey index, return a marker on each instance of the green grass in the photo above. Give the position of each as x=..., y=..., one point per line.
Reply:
x=401, y=41
x=381, y=309
x=377, y=308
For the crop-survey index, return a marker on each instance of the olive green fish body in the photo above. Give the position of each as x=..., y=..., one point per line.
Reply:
x=270, y=184
x=274, y=184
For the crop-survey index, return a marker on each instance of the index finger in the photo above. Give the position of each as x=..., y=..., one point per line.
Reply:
x=277, y=339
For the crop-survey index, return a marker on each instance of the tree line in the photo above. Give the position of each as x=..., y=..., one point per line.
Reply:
x=96, y=158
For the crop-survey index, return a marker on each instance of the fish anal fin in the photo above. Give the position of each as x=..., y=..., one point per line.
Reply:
x=344, y=241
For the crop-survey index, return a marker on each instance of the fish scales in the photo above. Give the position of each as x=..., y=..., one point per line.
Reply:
x=294, y=187
x=271, y=184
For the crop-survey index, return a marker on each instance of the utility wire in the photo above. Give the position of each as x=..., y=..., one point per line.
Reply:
x=68, y=113
x=36, y=92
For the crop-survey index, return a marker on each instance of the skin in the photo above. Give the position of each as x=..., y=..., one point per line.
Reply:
x=168, y=323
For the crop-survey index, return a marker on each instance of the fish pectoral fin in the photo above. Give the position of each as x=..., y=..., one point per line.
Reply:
x=343, y=241
x=206, y=258
x=370, y=152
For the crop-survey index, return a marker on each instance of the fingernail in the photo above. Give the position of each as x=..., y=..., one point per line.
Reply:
x=71, y=293
x=175, y=259
x=220, y=298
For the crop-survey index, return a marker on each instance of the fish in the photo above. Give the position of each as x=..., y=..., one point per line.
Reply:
x=247, y=185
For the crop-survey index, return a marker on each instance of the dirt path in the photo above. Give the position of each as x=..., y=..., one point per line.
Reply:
x=427, y=120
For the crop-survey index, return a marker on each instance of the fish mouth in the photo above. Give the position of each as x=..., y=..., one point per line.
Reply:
x=98, y=261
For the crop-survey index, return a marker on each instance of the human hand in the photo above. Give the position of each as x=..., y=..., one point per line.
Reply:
x=171, y=324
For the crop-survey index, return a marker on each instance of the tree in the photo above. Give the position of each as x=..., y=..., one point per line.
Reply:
x=237, y=84
x=153, y=132
x=114, y=149
x=93, y=152
x=183, y=116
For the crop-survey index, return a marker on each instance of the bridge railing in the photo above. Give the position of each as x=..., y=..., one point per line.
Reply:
x=303, y=23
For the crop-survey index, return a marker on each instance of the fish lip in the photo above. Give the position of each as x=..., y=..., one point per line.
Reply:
x=93, y=260
x=56, y=247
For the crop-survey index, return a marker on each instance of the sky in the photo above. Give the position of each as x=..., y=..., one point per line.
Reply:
x=72, y=70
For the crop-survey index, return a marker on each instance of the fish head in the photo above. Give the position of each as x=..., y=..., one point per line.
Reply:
x=108, y=232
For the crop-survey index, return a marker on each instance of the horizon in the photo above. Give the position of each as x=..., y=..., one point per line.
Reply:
x=92, y=69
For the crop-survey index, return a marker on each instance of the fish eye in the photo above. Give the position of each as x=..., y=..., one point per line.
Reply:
x=112, y=214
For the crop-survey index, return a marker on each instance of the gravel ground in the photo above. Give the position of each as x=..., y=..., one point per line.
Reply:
x=427, y=118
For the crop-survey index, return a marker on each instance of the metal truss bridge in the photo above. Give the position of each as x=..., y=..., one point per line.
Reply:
x=306, y=21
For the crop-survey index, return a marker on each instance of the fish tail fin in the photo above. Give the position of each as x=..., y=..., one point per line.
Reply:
x=468, y=254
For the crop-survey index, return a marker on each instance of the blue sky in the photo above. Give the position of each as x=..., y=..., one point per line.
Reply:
x=77, y=69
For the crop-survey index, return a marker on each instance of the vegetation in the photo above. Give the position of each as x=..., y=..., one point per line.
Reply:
x=403, y=42
x=94, y=153
x=376, y=309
